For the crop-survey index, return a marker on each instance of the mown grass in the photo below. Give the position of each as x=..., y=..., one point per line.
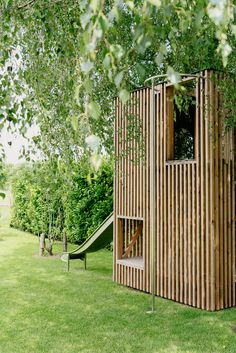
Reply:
x=44, y=309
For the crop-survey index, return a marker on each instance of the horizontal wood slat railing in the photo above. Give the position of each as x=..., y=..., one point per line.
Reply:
x=133, y=240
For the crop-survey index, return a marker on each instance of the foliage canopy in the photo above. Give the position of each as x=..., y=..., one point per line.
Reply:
x=66, y=60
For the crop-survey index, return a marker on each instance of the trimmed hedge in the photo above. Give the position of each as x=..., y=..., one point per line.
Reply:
x=30, y=207
x=42, y=204
x=89, y=203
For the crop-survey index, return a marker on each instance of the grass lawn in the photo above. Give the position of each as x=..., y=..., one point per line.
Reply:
x=44, y=309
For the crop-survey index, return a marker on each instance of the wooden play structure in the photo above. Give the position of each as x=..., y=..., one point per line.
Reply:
x=174, y=210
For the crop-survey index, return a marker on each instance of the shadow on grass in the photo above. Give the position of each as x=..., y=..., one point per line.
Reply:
x=47, y=310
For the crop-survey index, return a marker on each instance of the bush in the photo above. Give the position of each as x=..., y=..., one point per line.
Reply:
x=29, y=210
x=89, y=202
x=44, y=203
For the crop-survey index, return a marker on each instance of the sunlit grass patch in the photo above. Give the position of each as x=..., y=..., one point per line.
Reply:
x=45, y=309
x=5, y=213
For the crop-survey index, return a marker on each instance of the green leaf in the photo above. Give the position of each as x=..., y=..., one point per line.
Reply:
x=89, y=179
x=93, y=142
x=159, y=58
x=86, y=66
x=104, y=23
x=2, y=195
x=141, y=70
x=124, y=95
x=94, y=4
x=6, y=3
x=118, y=51
x=143, y=42
x=233, y=28
x=107, y=60
x=75, y=122
x=118, y=78
x=130, y=4
x=173, y=76
x=163, y=49
x=77, y=92
x=156, y=3
x=114, y=14
x=88, y=86
x=85, y=18
x=94, y=110
x=96, y=161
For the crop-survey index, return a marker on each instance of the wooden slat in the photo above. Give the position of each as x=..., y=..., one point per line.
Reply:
x=173, y=294
x=184, y=234
x=128, y=144
x=221, y=186
x=193, y=219
x=225, y=238
x=164, y=205
x=182, y=219
x=177, y=217
x=131, y=159
x=212, y=200
x=144, y=188
x=203, y=142
x=119, y=155
x=135, y=175
x=148, y=188
x=206, y=103
x=115, y=225
x=198, y=213
x=229, y=236
x=196, y=193
x=161, y=269
x=189, y=233
x=233, y=222
x=137, y=163
x=216, y=185
x=158, y=189
x=169, y=207
x=194, y=202
x=123, y=161
x=125, y=166
x=131, y=278
x=170, y=123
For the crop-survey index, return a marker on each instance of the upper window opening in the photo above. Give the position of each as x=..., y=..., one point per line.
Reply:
x=181, y=112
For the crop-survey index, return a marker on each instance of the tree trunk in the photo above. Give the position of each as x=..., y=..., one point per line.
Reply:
x=50, y=243
x=41, y=244
x=64, y=242
x=50, y=238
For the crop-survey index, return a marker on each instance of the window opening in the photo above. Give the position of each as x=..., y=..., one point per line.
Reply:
x=130, y=238
x=181, y=112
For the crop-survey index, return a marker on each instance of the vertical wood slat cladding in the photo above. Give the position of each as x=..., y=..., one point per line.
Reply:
x=195, y=199
x=131, y=185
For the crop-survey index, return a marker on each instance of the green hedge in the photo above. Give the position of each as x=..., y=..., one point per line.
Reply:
x=89, y=203
x=29, y=210
x=43, y=203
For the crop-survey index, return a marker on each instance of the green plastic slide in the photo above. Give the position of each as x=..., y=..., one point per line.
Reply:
x=99, y=239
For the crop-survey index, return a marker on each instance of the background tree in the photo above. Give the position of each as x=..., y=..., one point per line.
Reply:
x=76, y=56
x=3, y=178
x=61, y=64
